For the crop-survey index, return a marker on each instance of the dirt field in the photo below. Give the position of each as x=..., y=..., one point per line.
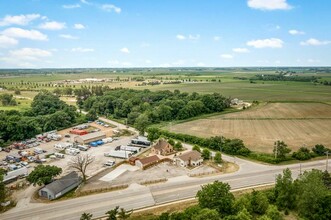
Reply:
x=297, y=124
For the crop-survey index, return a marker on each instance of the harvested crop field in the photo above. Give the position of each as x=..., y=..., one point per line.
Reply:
x=297, y=124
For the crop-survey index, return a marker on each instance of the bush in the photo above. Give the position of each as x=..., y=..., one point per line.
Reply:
x=302, y=154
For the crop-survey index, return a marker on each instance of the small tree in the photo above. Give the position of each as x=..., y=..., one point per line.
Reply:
x=218, y=157
x=281, y=149
x=171, y=142
x=17, y=92
x=80, y=163
x=112, y=214
x=43, y=175
x=259, y=202
x=123, y=214
x=206, y=154
x=86, y=216
x=217, y=196
x=178, y=146
x=197, y=148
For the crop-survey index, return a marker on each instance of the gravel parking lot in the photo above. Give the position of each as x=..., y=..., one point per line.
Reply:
x=96, y=152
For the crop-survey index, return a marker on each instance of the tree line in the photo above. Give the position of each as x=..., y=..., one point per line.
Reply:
x=142, y=108
x=284, y=77
x=308, y=196
x=281, y=152
x=47, y=113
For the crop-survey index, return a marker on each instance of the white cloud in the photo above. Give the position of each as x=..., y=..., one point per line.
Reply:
x=178, y=63
x=148, y=61
x=313, y=61
x=189, y=37
x=71, y=6
x=194, y=37
x=111, y=8
x=23, y=33
x=269, y=4
x=200, y=64
x=240, y=50
x=18, y=19
x=227, y=56
x=126, y=64
x=264, y=43
x=85, y=2
x=26, y=57
x=180, y=37
x=296, y=32
x=53, y=25
x=165, y=65
x=116, y=63
x=79, y=26
x=278, y=27
x=29, y=54
x=216, y=38
x=68, y=36
x=6, y=41
x=82, y=50
x=314, y=42
x=125, y=50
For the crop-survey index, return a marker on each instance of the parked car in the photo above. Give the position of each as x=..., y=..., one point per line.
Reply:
x=109, y=163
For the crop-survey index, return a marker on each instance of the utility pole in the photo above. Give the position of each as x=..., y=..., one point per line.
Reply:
x=327, y=160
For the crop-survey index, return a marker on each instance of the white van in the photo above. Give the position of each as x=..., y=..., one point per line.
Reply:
x=59, y=155
x=38, y=150
x=62, y=146
x=72, y=151
x=107, y=140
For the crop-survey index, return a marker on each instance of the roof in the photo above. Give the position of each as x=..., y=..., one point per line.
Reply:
x=148, y=160
x=63, y=183
x=191, y=155
x=161, y=144
x=78, y=131
x=93, y=135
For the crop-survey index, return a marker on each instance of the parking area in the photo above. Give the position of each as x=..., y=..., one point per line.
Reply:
x=42, y=150
x=128, y=174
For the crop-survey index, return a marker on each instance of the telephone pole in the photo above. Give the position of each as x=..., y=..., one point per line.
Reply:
x=327, y=160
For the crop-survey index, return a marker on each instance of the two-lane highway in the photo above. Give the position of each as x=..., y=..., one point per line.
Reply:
x=137, y=196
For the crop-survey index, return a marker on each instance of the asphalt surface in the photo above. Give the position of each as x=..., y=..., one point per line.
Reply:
x=136, y=196
x=250, y=174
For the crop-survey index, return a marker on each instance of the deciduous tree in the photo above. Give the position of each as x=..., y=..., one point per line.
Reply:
x=217, y=196
x=80, y=163
x=42, y=175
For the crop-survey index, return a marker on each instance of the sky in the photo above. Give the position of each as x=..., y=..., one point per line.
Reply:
x=164, y=33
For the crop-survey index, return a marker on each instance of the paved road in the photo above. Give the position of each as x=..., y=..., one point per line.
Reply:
x=137, y=196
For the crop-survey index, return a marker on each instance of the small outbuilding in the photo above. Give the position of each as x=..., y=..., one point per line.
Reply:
x=91, y=137
x=191, y=158
x=162, y=147
x=78, y=132
x=142, y=163
x=61, y=186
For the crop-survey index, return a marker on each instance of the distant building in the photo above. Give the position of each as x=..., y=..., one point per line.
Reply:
x=142, y=163
x=162, y=147
x=61, y=186
x=191, y=158
x=85, y=139
x=236, y=101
